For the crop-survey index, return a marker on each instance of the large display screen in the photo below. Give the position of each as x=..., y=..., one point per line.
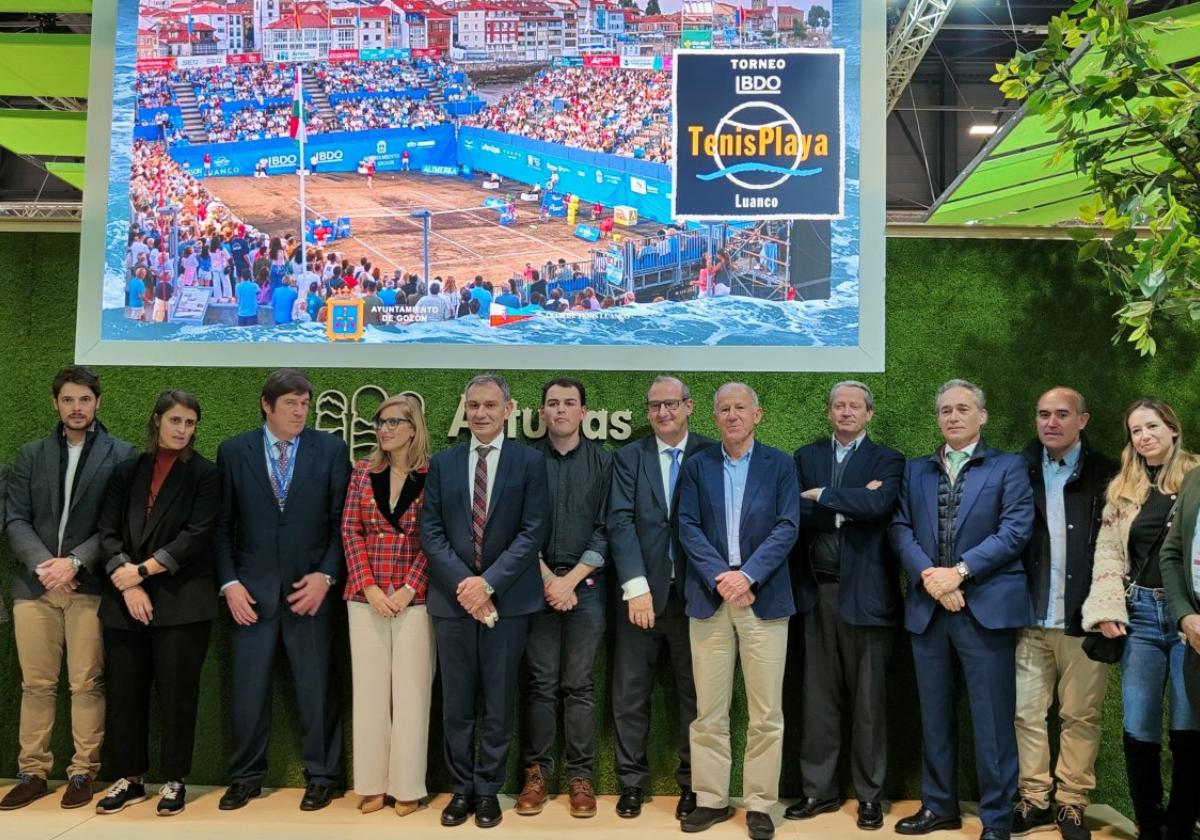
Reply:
x=510, y=184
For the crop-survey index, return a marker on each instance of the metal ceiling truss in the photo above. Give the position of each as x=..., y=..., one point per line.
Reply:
x=910, y=40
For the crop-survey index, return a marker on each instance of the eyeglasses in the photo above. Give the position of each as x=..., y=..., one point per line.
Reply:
x=391, y=422
x=670, y=405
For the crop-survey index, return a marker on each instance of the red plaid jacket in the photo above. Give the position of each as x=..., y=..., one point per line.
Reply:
x=377, y=553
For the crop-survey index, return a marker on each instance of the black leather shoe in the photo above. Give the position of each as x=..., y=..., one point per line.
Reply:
x=870, y=815
x=629, y=805
x=319, y=794
x=487, y=811
x=925, y=821
x=995, y=834
x=687, y=803
x=458, y=809
x=237, y=795
x=808, y=808
x=702, y=819
x=760, y=825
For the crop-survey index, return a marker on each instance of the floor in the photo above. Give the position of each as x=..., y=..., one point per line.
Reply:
x=278, y=814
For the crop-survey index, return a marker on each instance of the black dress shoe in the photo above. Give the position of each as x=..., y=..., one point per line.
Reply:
x=702, y=819
x=925, y=821
x=487, y=811
x=237, y=795
x=995, y=834
x=760, y=825
x=870, y=815
x=808, y=808
x=687, y=803
x=629, y=804
x=319, y=794
x=458, y=809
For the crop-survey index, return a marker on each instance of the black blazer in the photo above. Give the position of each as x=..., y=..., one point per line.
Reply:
x=512, y=538
x=178, y=534
x=640, y=526
x=267, y=549
x=869, y=593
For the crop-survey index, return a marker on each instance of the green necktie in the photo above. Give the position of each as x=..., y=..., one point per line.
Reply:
x=956, y=461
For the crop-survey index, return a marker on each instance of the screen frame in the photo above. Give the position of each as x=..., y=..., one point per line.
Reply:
x=867, y=356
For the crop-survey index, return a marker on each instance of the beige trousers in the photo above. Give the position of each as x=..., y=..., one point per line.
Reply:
x=393, y=661
x=1050, y=660
x=43, y=627
x=717, y=644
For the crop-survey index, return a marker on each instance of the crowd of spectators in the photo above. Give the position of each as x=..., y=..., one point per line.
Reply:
x=154, y=90
x=386, y=112
x=600, y=110
x=214, y=85
x=257, y=123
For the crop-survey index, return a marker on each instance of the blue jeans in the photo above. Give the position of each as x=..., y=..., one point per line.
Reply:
x=1152, y=663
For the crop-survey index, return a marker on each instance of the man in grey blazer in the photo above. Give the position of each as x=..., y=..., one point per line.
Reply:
x=54, y=494
x=645, y=550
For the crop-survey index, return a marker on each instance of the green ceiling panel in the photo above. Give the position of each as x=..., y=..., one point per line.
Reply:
x=45, y=133
x=61, y=7
x=1013, y=183
x=72, y=173
x=44, y=65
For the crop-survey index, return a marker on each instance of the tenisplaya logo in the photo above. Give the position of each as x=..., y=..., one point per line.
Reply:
x=759, y=134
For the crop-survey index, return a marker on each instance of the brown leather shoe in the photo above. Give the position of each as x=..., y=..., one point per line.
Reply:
x=28, y=789
x=533, y=796
x=583, y=798
x=78, y=791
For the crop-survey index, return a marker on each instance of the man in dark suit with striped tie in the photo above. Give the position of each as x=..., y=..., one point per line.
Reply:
x=484, y=584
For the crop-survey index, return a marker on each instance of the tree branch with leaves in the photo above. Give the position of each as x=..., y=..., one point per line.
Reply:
x=1128, y=122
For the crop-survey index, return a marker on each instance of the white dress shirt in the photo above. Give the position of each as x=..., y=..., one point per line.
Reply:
x=493, y=461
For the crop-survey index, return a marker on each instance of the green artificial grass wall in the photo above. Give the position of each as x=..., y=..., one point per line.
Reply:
x=1015, y=317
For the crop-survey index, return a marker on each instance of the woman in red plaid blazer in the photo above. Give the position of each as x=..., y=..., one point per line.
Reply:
x=392, y=649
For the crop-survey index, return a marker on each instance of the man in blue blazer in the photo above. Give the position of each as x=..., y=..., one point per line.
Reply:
x=482, y=527
x=848, y=588
x=279, y=558
x=738, y=508
x=965, y=515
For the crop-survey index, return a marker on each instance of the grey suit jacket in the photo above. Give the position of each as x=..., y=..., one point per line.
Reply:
x=34, y=508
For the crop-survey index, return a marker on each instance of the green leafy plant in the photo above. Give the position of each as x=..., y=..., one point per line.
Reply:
x=1129, y=122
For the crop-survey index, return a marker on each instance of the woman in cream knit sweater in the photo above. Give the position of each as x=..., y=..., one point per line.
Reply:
x=1127, y=600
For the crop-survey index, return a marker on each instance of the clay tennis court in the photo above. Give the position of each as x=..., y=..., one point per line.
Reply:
x=465, y=238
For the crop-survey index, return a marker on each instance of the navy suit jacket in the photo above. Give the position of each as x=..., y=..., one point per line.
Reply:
x=512, y=537
x=768, y=529
x=994, y=521
x=266, y=549
x=869, y=593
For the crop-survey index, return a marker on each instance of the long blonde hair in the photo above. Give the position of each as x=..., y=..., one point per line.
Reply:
x=1131, y=486
x=418, y=447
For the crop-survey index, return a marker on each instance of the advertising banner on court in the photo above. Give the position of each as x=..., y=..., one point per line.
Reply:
x=195, y=62
x=758, y=134
x=696, y=39
x=244, y=58
x=343, y=55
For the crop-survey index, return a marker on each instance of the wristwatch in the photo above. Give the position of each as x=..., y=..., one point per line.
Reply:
x=143, y=572
x=962, y=570
x=330, y=580
x=487, y=588
x=75, y=562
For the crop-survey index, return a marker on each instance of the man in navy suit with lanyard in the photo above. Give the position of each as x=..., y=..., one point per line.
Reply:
x=279, y=559
x=965, y=514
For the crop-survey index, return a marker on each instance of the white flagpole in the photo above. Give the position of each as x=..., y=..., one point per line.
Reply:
x=303, y=165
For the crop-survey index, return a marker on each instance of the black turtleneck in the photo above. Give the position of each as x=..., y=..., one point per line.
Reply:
x=1146, y=535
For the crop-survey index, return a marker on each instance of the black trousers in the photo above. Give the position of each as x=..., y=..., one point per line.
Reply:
x=308, y=643
x=170, y=659
x=635, y=668
x=845, y=676
x=475, y=660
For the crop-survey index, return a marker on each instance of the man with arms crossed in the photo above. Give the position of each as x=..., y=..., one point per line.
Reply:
x=1068, y=479
x=565, y=635
x=848, y=589
x=738, y=506
x=965, y=514
x=54, y=494
x=650, y=568
x=482, y=527
x=279, y=558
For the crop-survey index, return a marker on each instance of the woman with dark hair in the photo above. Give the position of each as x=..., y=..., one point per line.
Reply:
x=1127, y=601
x=392, y=651
x=157, y=607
